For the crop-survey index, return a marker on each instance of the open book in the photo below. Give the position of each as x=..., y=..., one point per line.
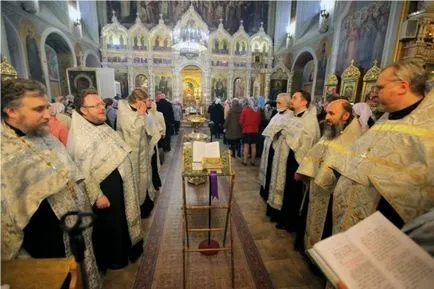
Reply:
x=206, y=155
x=374, y=254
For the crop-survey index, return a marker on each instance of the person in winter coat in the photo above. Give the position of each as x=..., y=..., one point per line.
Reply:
x=250, y=120
x=233, y=127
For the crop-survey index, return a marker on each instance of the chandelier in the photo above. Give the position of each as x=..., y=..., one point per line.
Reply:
x=189, y=38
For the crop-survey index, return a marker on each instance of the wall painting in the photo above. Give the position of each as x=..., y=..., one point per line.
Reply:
x=362, y=34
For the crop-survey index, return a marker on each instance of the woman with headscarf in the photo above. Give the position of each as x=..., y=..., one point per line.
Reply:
x=364, y=112
x=250, y=120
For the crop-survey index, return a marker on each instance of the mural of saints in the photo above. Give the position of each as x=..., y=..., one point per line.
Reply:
x=219, y=89
x=239, y=88
x=364, y=26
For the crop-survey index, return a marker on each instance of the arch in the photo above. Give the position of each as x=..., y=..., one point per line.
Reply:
x=54, y=35
x=192, y=63
x=301, y=59
x=91, y=59
x=194, y=83
x=17, y=58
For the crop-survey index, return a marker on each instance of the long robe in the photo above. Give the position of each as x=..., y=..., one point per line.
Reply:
x=392, y=162
x=298, y=136
x=40, y=183
x=275, y=125
x=159, y=128
x=103, y=156
x=137, y=132
x=322, y=180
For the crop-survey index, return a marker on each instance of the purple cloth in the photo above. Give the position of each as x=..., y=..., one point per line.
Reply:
x=213, y=185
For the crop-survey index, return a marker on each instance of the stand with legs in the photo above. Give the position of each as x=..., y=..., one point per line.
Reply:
x=208, y=246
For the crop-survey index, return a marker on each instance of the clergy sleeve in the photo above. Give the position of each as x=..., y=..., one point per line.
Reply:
x=11, y=235
x=93, y=190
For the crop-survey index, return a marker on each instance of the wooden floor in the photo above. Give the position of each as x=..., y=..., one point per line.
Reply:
x=286, y=267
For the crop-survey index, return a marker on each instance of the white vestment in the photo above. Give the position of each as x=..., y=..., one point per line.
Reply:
x=393, y=160
x=98, y=150
x=275, y=125
x=298, y=135
x=322, y=179
x=35, y=169
x=137, y=132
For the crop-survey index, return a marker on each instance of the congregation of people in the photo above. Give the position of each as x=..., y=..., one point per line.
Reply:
x=322, y=169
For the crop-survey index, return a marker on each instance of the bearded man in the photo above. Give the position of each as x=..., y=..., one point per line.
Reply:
x=103, y=156
x=341, y=130
x=40, y=183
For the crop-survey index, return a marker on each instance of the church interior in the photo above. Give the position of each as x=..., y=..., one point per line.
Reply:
x=195, y=52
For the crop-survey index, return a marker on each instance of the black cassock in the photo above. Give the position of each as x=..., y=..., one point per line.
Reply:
x=111, y=239
x=288, y=216
x=264, y=192
x=43, y=237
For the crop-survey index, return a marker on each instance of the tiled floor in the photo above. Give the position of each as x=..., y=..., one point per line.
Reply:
x=286, y=267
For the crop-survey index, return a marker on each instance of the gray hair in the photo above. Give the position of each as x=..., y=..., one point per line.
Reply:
x=286, y=96
x=413, y=72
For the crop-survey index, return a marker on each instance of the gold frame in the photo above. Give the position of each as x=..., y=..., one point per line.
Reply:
x=350, y=79
x=369, y=80
x=332, y=82
x=7, y=71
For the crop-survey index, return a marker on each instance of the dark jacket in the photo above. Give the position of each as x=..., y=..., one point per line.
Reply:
x=232, y=122
x=165, y=107
x=216, y=113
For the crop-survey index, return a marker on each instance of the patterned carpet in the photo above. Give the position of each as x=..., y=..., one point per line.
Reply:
x=161, y=265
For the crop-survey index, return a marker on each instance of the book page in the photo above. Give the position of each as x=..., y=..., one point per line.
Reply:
x=212, y=150
x=199, y=150
x=396, y=254
x=202, y=149
x=376, y=254
x=350, y=264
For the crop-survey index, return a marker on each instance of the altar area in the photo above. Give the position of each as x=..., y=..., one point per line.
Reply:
x=188, y=63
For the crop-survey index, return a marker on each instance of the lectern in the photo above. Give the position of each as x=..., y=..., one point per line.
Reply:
x=208, y=246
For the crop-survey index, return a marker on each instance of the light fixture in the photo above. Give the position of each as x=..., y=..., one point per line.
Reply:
x=189, y=38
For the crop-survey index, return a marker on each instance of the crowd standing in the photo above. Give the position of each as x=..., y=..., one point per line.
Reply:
x=322, y=169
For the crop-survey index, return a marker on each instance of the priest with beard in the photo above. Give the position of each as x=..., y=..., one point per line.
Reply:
x=103, y=156
x=271, y=133
x=341, y=130
x=138, y=131
x=296, y=138
x=390, y=167
x=40, y=182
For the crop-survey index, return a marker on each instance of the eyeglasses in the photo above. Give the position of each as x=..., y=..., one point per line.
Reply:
x=101, y=104
x=380, y=87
